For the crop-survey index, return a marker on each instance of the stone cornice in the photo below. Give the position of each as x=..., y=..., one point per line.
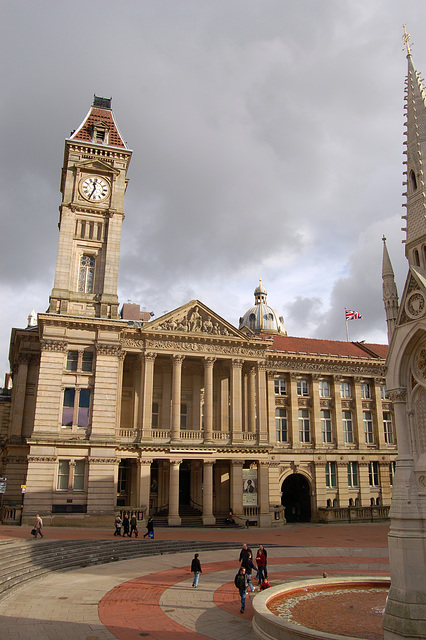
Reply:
x=81, y=322
x=325, y=365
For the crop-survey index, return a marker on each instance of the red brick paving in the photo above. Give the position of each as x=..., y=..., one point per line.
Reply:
x=358, y=535
x=137, y=601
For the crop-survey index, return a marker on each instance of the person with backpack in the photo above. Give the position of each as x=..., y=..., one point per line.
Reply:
x=241, y=583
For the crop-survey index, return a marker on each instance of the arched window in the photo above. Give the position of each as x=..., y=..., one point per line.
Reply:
x=413, y=181
x=86, y=274
x=252, y=321
x=416, y=258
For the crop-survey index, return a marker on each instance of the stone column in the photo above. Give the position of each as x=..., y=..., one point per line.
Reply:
x=174, y=519
x=121, y=359
x=137, y=372
x=262, y=412
x=166, y=402
x=342, y=483
x=378, y=416
x=293, y=418
x=236, y=401
x=358, y=422
x=144, y=485
x=263, y=494
x=176, y=395
x=364, y=483
x=208, y=399
x=147, y=392
x=236, y=487
x=316, y=434
x=405, y=613
x=337, y=413
x=208, y=517
x=272, y=437
x=224, y=403
x=252, y=400
x=18, y=397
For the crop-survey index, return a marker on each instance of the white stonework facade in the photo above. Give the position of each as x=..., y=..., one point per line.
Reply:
x=184, y=416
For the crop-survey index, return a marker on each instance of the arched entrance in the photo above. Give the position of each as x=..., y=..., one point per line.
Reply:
x=296, y=498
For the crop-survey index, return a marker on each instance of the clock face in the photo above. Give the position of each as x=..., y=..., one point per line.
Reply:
x=94, y=188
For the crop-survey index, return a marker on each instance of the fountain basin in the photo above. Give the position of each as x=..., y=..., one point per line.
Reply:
x=267, y=625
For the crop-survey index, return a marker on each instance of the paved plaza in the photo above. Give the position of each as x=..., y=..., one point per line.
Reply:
x=153, y=597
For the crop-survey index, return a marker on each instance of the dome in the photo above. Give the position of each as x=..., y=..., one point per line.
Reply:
x=262, y=318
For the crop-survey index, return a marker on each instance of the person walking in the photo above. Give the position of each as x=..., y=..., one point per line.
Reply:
x=248, y=565
x=38, y=527
x=260, y=561
x=133, y=526
x=244, y=552
x=117, y=523
x=126, y=525
x=265, y=553
x=149, y=528
x=196, y=569
x=240, y=582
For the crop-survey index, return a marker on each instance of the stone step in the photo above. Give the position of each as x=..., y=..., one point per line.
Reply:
x=31, y=559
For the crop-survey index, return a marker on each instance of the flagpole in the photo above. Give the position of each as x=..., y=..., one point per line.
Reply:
x=347, y=330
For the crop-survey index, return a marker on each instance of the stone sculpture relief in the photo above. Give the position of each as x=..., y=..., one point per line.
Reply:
x=193, y=322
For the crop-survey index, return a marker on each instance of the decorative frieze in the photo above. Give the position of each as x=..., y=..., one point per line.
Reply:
x=104, y=460
x=105, y=349
x=325, y=367
x=47, y=344
x=42, y=458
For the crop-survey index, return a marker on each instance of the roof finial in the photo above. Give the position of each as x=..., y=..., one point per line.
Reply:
x=406, y=40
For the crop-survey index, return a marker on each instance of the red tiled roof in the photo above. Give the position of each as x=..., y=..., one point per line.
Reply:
x=99, y=115
x=329, y=347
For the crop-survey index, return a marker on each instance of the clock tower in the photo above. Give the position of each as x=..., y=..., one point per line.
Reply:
x=93, y=185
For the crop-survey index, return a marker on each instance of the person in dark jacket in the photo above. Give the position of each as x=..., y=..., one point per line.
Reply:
x=248, y=565
x=196, y=570
x=244, y=552
x=126, y=525
x=149, y=528
x=240, y=582
x=133, y=526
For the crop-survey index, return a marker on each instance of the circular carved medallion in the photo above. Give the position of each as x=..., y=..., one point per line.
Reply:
x=415, y=305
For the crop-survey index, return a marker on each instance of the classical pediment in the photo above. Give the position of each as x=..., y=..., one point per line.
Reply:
x=96, y=165
x=194, y=318
x=413, y=302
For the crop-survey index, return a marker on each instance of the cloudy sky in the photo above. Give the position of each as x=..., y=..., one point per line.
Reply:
x=267, y=141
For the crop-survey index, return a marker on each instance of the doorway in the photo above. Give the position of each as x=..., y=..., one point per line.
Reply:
x=296, y=498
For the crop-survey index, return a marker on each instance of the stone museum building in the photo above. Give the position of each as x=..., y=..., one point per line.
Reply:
x=185, y=416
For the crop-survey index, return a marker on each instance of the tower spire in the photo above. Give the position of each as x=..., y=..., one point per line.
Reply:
x=415, y=143
x=390, y=292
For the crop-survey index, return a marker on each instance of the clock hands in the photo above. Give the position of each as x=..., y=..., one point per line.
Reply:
x=94, y=188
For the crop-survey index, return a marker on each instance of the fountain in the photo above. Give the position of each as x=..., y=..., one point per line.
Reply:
x=299, y=610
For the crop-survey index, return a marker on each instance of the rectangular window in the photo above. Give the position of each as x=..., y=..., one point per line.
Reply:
x=302, y=388
x=78, y=476
x=383, y=392
x=365, y=391
x=324, y=389
x=280, y=387
x=304, y=429
x=87, y=361
x=348, y=434
x=63, y=475
x=387, y=427
x=368, y=427
x=154, y=421
x=326, y=434
x=345, y=390
x=83, y=408
x=72, y=360
x=373, y=474
x=330, y=474
x=353, y=474
x=392, y=468
x=183, y=415
x=68, y=407
x=281, y=424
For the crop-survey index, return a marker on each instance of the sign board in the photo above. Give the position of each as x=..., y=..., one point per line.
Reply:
x=2, y=487
x=3, y=479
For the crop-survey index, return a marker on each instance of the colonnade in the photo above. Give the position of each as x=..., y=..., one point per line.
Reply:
x=235, y=397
